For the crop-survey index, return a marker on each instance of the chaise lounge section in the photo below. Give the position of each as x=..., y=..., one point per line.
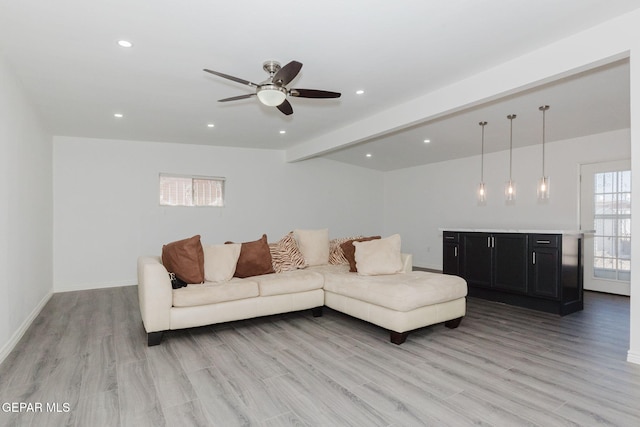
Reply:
x=400, y=302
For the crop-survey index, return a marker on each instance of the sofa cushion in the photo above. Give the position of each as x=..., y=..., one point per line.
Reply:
x=400, y=292
x=285, y=255
x=379, y=256
x=289, y=282
x=350, y=251
x=220, y=261
x=185, y=258
x=314, y=245
x=255, y=258
x=211, y=293
x=329, y=268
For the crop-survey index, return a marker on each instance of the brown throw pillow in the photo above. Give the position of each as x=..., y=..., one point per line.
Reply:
x=255, y=259
x=349, y=251
x=185, y=258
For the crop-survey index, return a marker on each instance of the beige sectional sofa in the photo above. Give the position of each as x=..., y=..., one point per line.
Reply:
x=399, y=302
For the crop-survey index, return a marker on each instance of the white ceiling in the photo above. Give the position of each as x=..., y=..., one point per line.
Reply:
x=65, y=54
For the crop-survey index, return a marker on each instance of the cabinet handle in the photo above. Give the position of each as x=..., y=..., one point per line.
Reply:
x=534, y=258
x=543, y=242
x=449, y=237
x=489, y=241
x=455, y=251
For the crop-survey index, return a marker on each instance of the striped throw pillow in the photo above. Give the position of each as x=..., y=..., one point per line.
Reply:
x=285, y=255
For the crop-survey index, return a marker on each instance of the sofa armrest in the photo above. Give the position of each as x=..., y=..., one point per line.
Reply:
x=155, y=294
x=407, y=263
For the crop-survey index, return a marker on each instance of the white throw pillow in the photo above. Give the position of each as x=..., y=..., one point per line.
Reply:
x=220, y=261
x=314, y=245
x=380, y=256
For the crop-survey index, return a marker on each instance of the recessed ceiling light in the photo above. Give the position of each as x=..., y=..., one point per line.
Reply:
x=125, y=43
x=118, y=115
x=359, y=92
x=426, y=141
x=210, y=125
x=283, y=131
x=369, y=154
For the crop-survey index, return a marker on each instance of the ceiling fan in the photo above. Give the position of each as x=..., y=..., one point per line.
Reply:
x=273, y=92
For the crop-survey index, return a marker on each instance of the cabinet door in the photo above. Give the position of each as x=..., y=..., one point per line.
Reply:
x=545, y=265
x=451, y=258
x=476, y=259
x=510, y=262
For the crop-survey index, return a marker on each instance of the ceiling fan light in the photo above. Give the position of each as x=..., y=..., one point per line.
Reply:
x=272, y=95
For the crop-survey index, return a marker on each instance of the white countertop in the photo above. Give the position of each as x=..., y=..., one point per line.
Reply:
x=511, y=230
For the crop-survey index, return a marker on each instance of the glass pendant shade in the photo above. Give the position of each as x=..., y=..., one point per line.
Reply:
x=543, y=188
x=272, y=95
x=482, y=193
x=510, y=191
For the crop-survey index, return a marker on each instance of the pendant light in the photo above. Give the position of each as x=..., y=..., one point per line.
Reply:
x=510, y=187
x=543, y=183
x=482, y=194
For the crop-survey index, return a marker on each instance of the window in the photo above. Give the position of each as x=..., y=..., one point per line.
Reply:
x=612, y=221
x=181, y=190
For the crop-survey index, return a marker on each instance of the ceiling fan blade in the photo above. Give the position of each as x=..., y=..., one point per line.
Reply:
x=313, y=93
x=287, y=73
x=235, y=98
x=286, y=108
x=235, y=79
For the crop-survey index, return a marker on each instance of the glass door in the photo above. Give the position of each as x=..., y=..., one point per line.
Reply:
x=606, y=208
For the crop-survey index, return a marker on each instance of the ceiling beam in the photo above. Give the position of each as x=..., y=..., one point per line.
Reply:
x=592, y=48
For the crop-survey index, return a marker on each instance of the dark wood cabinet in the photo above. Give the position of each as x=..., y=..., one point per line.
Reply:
x=477, y=259
x=538, y=271
x=510, y=262
x=451, y=253
x=545, y=266
x=495, y=260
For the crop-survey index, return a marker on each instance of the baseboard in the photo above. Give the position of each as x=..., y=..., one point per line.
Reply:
x=10, y=345
x=633, y=357
x=430, y=270
x=114, y=284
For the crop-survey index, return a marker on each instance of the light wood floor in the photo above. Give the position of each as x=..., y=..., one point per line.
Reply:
x=504, y=366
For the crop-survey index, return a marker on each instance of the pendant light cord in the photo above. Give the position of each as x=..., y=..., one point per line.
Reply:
x=544, y=109
x=482, y=158
x=511, y=117
x=543, y=132
x=510, y=147
x=482, y=153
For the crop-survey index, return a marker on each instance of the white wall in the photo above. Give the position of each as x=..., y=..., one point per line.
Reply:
x=444, y=194
x=25, y=212
x=634, y=339
x=106, y=210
